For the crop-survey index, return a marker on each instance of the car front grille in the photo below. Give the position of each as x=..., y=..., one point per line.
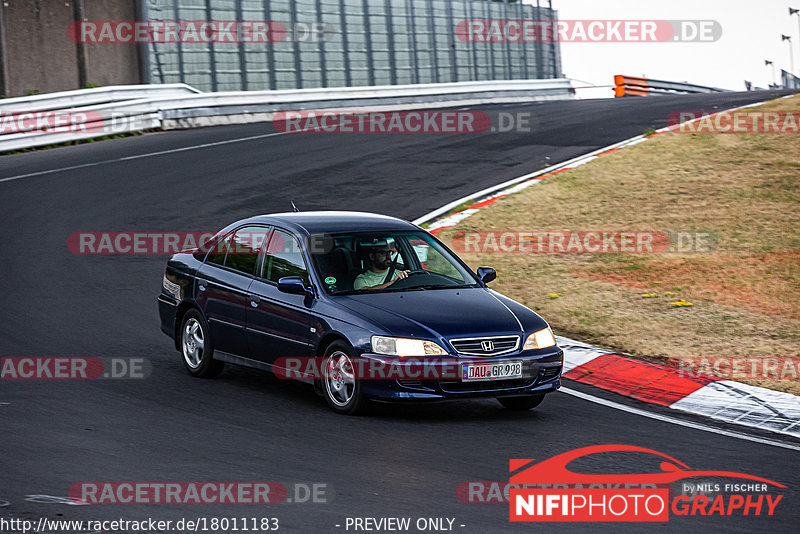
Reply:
x=486, y=346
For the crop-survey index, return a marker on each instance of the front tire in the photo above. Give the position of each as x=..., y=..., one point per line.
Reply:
x=521, y=404
x=196, y=347
x=340, y=385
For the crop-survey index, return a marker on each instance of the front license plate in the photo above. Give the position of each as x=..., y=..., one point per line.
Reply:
x=490, y=371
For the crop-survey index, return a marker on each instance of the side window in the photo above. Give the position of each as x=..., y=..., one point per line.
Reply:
x=284, y=258
x=218, y=252
x=243, y=251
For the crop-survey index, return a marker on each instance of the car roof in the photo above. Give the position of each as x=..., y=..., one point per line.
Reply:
x=330, y=222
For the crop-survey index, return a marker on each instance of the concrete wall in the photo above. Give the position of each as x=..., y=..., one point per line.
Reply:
x=112, y=64
x=38, y=55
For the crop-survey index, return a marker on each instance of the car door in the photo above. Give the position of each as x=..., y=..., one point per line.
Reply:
x=222, y=287
x=280, y=325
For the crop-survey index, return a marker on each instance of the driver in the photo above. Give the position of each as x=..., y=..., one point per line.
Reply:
x=380, y=259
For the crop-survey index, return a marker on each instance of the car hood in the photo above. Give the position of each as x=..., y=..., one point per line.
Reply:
x=444, y=313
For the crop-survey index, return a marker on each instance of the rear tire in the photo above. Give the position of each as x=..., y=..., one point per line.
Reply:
x=196, y=347
x=521, y=404
x=341, y=387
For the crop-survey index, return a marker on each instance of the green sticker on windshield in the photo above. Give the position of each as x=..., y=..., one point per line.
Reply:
x=330, y=280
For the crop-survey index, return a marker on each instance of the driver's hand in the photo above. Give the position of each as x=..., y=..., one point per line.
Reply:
x=400, y=276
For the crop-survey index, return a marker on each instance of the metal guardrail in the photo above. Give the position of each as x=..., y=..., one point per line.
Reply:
x=94, y=96
x=162, y=108
x=635, y=86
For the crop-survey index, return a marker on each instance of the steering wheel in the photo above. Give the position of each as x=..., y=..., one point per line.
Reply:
x=404, y=283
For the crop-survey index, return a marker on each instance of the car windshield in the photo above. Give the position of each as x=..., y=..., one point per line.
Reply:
x=386, y=261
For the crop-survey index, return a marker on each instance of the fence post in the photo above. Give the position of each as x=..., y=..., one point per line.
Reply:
x=273, y=83
x=3, y=63
x=390, y=42
x=434, y=51
x=141, y=48
x=507, y=45
x=451, y=41
x=323, y=64
x=242, y=55
x=80, y=48
x=348, y=75
x=540, y=45
x=368, y=43
x=471, y=43
x=522, y=45
x=298, y=65
x=414, y=52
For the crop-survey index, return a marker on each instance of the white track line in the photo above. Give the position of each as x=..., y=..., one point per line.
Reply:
x=676, y=421
x=139, y=156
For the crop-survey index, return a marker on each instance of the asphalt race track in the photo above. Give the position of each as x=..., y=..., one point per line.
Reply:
x=247, y=425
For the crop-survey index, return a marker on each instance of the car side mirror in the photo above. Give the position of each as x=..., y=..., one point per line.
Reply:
x=486, y=274
x=294, y=285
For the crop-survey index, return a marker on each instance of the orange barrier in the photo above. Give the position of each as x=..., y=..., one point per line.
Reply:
x=621, y=79
x=630, y=86
x=624, y=90
x=635, y=86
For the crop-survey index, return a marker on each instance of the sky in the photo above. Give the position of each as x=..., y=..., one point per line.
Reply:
x=751, y=33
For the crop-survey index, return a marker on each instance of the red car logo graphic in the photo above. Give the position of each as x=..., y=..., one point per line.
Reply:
x=554, y=470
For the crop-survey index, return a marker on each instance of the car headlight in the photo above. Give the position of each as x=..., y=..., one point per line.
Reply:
x=400, y=346
x=540, y=340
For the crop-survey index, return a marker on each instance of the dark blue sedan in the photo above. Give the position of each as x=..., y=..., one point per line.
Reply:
x=362, y=306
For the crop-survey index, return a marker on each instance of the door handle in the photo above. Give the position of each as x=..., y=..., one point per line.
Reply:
x=254, y=300
x=201, y=284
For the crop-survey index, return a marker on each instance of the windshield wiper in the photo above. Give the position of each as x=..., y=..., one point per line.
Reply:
x=435, y=286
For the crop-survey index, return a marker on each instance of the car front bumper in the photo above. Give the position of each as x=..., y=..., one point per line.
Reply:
x=387, y=378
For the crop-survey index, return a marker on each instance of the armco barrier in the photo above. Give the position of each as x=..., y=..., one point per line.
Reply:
x=94, y=96
x=134, y=108
x=635, y=86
